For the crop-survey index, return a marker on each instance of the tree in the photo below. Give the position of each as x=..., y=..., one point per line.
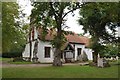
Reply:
x=111, y=50
x=0, y=29
x=13, y=37
x=97, y=19
x=52, y=15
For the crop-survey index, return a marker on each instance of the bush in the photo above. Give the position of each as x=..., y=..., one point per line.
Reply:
x=83, y=57
x=12, y=54
x=92, y=64
x=106, y=63
x=17, y=59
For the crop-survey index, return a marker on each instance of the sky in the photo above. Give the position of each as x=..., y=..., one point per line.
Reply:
x=71, y=21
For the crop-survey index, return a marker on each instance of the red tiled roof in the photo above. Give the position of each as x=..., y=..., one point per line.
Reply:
x=48, y=37
x=86, y=40
x=73, y=38
x=78, y=39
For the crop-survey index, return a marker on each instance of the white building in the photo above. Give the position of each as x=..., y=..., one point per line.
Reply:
x=74, y=47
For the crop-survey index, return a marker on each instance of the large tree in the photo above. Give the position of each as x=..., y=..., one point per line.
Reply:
x=111, y=50
x=97, y=19
x=12, y=33
x=0, y=29
x=53, y=15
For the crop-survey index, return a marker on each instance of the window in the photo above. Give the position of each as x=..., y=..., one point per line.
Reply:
x=69, y=55
x=79, y=51
x=47, y=52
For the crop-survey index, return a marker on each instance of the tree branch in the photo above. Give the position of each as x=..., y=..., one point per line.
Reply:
x=56, y=17
x=73, y=9
x=60, y=13
x=69, y=12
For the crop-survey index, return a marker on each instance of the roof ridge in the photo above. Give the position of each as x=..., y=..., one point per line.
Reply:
x=74, y=38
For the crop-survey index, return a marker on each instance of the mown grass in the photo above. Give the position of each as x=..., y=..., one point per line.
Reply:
x=10, y=60
x=74, y=71
x=19, y=62
x=71, y=71
x=5, y=59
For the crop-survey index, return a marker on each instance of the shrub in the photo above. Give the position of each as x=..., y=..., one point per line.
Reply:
x=17, y=59
x=92, y=64
x=84, y=56
x=12, y=54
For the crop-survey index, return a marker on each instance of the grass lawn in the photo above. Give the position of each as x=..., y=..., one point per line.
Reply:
x=18, y=62
x=60, y=72
x=71, y=71
x=9, y=60
x=5, y=59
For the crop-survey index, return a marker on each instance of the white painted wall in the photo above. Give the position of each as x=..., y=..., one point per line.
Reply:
x=89, y=53
x=87, y=50
x=41, y=52
x=32, y=48
x=78, y=46
x=26, y=52
x=35, y=33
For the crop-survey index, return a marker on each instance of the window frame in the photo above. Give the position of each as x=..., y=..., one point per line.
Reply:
x=47, y=54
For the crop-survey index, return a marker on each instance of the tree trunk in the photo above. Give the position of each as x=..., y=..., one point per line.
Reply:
x=57, y=54
x=57, y=58
x=95, y=57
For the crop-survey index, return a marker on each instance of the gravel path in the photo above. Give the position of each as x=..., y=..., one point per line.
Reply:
x=6, y=65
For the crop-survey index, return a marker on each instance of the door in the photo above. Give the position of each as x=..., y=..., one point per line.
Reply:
x=78, y=51
x=68, y=56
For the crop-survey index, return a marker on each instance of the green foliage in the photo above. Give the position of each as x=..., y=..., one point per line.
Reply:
x=118, y=49
x=81, y=34
x=12, y=54
x=97, y=18
x=12, y=33
x=25, y=28
x=52, y=15
x=56, y=40
x=111, y=50
x=98, y=47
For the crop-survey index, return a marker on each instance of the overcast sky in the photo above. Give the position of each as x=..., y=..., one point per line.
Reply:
x=71, y=21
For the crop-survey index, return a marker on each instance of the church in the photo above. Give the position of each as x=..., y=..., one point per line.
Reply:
x=72, y=51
